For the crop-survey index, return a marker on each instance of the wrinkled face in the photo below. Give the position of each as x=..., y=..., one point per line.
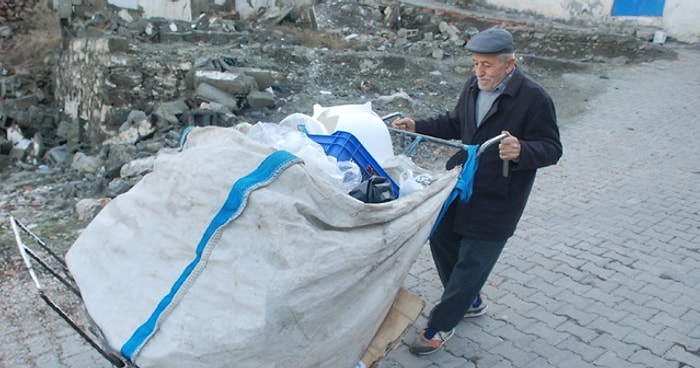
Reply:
x=492, y=69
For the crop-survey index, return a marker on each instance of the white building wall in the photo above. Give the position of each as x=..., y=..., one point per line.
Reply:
x=249, y=8
x=680, y=18
x=169, y=9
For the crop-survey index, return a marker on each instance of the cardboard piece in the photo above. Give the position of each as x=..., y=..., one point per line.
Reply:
x=403, y=312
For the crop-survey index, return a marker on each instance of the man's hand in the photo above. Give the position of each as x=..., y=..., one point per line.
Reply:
x=509, y=148
x=406, y=124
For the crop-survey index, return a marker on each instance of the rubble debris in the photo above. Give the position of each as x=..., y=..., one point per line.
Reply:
x=122, y=87
x=14, y=10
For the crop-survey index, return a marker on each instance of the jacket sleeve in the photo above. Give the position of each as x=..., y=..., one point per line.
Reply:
x=447, y=125
x=540, y=141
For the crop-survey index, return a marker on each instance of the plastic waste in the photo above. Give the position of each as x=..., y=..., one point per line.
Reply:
x=304, y=123
x=345, y=175
x=362, y=122
x=410, y=183
x=376, y=189
x=409, y=176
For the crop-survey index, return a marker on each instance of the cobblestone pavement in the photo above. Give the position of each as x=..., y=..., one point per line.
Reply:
x=604, y=270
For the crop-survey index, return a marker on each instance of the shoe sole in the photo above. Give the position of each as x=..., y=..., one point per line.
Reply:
x=436, y=350
x=426, y=352
x=479, y=313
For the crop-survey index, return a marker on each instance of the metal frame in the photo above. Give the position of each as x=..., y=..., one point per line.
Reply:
x=419, y=138
x=63, y=275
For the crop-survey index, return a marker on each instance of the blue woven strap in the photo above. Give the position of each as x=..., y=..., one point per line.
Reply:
x=235, y=203
x=463, y=187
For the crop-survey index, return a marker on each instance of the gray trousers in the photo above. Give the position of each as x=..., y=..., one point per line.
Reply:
x=463, y=264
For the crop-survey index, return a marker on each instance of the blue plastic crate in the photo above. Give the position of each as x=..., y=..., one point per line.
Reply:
x=345, y=147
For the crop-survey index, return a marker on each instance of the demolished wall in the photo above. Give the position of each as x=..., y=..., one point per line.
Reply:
x=171, y=9
x=188, y=10
x=678, y=18
x=122, y=89
x=99, y=76
x=268, y=8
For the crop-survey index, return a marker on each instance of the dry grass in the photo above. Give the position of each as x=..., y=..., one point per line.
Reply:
x=34, y=39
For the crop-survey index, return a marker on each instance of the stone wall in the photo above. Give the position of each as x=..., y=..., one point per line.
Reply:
x=101, y=79
x=12, y=10
x=96, y=76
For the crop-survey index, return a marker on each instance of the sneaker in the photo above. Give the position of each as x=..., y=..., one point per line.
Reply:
x=478, y=308
x=424, y=346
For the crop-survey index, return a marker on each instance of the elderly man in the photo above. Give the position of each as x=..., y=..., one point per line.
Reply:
x=498, y=98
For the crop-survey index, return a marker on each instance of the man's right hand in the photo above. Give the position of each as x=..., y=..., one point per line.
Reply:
x=406, y=124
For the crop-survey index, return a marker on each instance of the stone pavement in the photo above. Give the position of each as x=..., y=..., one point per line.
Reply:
x=604, y=270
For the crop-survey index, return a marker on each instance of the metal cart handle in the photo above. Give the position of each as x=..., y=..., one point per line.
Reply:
x=421, y=137
x=488, y=143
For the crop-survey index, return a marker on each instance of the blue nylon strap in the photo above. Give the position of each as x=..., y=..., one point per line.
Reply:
x=183, y=137
x=463, y=187
x=235, y=203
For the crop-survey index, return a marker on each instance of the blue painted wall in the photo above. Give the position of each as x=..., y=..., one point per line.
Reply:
x=651, y=8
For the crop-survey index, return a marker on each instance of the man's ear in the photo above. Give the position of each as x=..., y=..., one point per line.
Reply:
x=510, y=65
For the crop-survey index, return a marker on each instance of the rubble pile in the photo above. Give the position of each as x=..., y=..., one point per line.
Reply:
x=90, y=119
x=12, y=10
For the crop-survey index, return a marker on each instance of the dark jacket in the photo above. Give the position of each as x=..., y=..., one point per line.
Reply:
x=525, y=110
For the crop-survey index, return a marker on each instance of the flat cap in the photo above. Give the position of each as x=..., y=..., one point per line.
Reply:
x=491, y=41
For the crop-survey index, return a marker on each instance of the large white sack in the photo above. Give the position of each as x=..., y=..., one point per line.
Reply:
x=301, y=277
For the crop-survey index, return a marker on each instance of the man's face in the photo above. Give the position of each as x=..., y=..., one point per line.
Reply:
x=491, y=70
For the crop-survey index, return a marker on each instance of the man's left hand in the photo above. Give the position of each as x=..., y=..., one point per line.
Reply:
x=509, y=148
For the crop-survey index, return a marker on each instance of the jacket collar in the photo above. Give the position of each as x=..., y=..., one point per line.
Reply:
x=512, y=87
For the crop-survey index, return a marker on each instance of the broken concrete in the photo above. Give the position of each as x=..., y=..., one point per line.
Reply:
x=123, y=86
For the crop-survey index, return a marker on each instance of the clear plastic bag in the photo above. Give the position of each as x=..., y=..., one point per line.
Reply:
x=408, y=175
x=344, y=175
x=409, y=183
